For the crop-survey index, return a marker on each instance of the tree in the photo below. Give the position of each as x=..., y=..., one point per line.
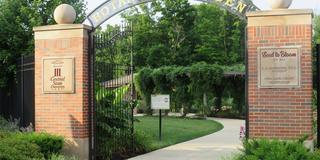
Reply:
x=220, y=36
x=177, y=34
x=17, y=19
x=163, y=33
x=177, y=20
x=316, y=29
x=148, y=39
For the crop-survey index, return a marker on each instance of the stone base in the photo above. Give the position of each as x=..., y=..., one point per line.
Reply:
x=78, y=148
x=309, y=144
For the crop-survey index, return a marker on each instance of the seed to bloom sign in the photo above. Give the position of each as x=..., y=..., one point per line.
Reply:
x=58, y=75
x=279, y=67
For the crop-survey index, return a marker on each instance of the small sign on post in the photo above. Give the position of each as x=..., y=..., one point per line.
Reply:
x=160, y=102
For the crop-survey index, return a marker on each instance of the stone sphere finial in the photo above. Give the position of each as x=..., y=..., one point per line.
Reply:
x=64, y=14
x=279, y=4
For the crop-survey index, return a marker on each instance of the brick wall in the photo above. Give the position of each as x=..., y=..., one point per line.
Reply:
x=279, y=113
x=62, y=114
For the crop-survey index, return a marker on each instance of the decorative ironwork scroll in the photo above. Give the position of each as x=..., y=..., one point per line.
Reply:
x=110, y=8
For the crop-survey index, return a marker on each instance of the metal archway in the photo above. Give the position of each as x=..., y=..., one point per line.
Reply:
x=110, y=8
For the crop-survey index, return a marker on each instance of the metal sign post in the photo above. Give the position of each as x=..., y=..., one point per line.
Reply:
x=160, y=102
x=318, y=95
x=160, y=125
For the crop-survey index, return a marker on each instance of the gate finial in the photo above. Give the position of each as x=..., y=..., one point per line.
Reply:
x=64, y=14
x=280, y=4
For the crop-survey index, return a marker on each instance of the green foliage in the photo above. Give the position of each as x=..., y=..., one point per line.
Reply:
x=235, y=87
x=108, y=118
x=234, y=68
x=177, y=24
x=185, y=34
x=220, y=36
x=18, y=149
x=142, y=142
x=39, y=144
x=17, y=19
x=316, y=29
x=182, y=83
x=144, y=85
x=160, y=78
x=8, y=126
x=316, y=155
x=274, y=150
x=205, y=77
x=106, y=94
x=113, y=121
x=61, y=157
x=49, y=144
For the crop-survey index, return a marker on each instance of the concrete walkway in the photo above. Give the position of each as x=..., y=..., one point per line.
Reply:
x=215, y=146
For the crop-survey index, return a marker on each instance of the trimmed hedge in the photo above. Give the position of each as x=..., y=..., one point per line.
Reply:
x=17, y=145
x=263, y=149
x=49, y=144
x=18, y=149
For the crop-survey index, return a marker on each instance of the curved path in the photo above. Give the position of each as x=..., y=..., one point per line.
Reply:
x=216, y=146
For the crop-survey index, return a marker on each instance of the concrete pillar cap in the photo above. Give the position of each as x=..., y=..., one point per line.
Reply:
x=65, y=14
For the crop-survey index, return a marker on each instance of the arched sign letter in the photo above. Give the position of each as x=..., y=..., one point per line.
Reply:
x=112, y=7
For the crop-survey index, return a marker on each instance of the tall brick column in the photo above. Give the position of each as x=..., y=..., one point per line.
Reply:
x=63, y=114
x=280, y=112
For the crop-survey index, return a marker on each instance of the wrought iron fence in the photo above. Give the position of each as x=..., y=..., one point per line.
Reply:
x=113, y=89
x=17, y=100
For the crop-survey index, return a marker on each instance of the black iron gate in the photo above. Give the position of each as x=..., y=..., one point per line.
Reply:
x=113, y=93
x=17, y=100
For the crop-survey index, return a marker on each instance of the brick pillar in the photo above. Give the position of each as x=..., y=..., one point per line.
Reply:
x=279, y=110
x=61, y=107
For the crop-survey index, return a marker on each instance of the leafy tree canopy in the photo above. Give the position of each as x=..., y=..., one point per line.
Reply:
x=317, y=29
x=177, y=33
x=17, y=19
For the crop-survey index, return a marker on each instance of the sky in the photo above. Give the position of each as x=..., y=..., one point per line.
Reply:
x=262, y=4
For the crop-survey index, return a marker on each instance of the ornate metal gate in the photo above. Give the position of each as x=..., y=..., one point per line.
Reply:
x=113, y=92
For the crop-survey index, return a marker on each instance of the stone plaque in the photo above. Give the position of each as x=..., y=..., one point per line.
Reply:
x=58, y=75
x=279, y=67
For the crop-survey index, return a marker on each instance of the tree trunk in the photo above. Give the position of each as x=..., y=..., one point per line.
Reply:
x=205, y=103
x=219, y=93
x=185, y=111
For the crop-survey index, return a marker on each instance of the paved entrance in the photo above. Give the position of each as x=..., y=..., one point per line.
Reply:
x=211, y=147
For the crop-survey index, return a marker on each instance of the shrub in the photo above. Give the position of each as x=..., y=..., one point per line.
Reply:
x=9, y=126
x=316, y=155
x=113, y=122
x=49, y=144
x=142, y=142
x=18, y=149
x=61, y=157
x=274, y=150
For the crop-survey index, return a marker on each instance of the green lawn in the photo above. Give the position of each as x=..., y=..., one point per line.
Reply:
x=174, y=130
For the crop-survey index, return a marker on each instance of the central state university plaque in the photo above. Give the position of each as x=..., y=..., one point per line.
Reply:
x=58, y=75
x=279, y=67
